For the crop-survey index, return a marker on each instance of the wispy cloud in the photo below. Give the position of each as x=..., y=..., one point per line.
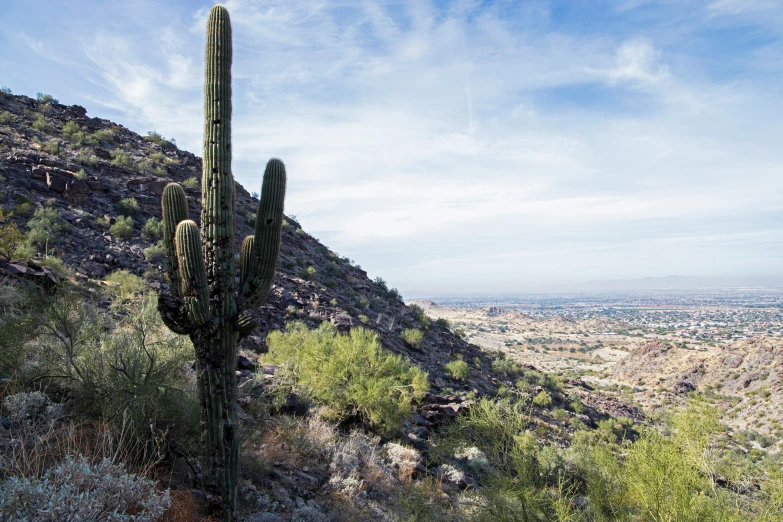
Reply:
x=481, y=146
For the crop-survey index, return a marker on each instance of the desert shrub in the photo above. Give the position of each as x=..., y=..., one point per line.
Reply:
x=129, y=206
x=43, y=99
x=57, y=265
x=443, y=322
x=350, y=373
x=5, y=92
x=81, y=175
x=45, y=227
x=85, y=157
x=52, y=147
x=121, y=158
x=458, y=369
x=74, y=489
x=156, y=253
x=156, y=137
x=125, y=370
x=190, y=183
x=103, y=137
x=125, y=284
x=70, y=128
x=309, y=273
x=5, y=118
x=123, y=227
x=11, y=238
x=15, y=302
x=412, y=336
x=542, y=400
x=40, y=124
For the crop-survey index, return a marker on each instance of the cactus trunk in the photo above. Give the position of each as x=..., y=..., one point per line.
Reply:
x=203, y=300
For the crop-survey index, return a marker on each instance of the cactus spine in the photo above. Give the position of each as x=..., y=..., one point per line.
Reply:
x=203, y=300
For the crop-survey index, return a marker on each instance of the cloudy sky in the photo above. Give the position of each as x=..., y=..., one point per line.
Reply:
x=464, y=146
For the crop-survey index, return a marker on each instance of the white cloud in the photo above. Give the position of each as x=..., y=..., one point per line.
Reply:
x=417, y=143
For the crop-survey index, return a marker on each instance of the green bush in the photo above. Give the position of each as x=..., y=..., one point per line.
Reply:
x=156, y=253
x=126, y=371
x=350, y=373
x=52, y=147
x=190, y=183
x=125, y=284
x=542, y=400
x=412, y=336
x=70, y=128
x=121, y=158
x=81, y=175
x=5, y=118
x=309, y=273
x=45, y=99
x=40, y=124
x=45, y=227
x=152, y=229
x=457, y=369
x=445, y=323
x=129, y=207
x=156, y=137
x=123, y=227
x=103, y=137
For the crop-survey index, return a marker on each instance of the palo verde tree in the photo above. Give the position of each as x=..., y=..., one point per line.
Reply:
x=204, y=301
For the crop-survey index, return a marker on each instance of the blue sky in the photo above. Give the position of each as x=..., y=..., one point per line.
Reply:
x=464, y=146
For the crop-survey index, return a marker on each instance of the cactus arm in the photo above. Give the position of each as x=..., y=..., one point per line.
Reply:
x=175, y=209
x=193, y=276
x=266, y=246
x=246, y=259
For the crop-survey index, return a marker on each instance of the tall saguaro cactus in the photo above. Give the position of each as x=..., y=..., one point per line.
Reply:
x=204, y=301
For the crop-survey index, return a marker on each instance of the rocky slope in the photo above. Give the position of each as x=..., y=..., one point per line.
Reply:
x=87, y=176
x=745, y=376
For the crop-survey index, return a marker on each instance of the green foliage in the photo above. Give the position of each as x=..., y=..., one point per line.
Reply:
x=421, y=317
x=126, y=371
x=152, y=229
x=11, y=238
x=156, y=253
x=443, y=322
x=457, y=369
x=156, y=137
x=5, y=92
x=542, y=400
x=45, y=99
x=40, y=124
x=309, y=273
x=412, y=336
x=129, y=207
x=125, y=284
x=5, y=118
x=52, y=147
x=123, y=227
x=45, y=227
x=190, y=183
x=81, y=175
x=102, y=137
x=121, y=158
x=350, y=373
x=70, y=128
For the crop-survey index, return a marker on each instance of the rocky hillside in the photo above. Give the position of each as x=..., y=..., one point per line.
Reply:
x=745, y=376
x=56, y=156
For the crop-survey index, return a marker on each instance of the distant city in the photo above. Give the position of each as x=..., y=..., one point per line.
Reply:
x=705, y=315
